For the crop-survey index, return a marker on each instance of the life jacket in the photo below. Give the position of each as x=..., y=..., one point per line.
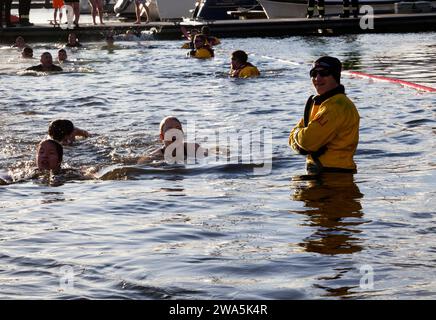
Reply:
x=328, y=133
x=245, y=71
x=204, y=52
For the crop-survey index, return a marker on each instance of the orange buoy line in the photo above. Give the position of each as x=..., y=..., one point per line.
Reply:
x=393, y=80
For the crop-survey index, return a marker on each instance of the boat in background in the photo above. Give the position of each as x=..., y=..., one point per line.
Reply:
x=157, y=10
x=276, y=9
x=222, y=9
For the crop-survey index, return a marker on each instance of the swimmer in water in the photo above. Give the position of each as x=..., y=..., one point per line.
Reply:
x=64, y=132
x=110, y=45
x=189, y=35
x=213, y=41
x=27, y=53
x=73, y=42
x=19, y=43
x=46, y=64
x=49, y=155
x=240, y=67
x=174, y=147
x=202, y=49
x=62, y=56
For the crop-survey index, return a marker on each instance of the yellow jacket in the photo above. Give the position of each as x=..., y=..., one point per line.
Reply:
x=246, y=72
x=202, y=53
x=334, y=124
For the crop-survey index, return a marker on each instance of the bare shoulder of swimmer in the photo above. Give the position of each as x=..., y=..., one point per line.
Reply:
x=155, y=155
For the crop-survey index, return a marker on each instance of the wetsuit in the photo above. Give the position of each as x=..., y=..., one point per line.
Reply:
x=6, y=4
x=41, y=68
x=311, y=8
x=329, y=133
x=23, y=11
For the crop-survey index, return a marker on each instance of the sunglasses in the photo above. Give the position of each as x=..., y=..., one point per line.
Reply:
x=322, y=73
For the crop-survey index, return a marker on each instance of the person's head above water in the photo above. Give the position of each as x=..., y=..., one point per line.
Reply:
x=110, y=40
x=239, y=58
x=27, y=53
x=205, y=30
x=199, y=41
x=167, y=124
x=19, y=42
x=49, y=155
x=46, y=59
x=326, y=74
x=72, y=38
x=62, y=131
x=62, y=55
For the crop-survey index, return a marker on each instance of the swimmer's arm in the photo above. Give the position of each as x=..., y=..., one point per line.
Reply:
x=155, y=155
x=81, y=133
x=185, y=33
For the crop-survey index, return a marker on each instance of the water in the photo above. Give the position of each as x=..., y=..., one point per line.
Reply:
x=217, y=231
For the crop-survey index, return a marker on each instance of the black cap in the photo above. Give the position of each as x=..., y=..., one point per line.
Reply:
x=330, y=63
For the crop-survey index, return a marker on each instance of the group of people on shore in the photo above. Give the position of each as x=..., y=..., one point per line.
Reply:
x=58, y=5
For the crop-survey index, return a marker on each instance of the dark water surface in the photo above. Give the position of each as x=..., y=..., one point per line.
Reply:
x=217, y=230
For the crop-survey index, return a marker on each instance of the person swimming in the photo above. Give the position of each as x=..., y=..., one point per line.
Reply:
x=46, y=64
x=213, y=41
x=64, y=132
x=189, y=35
x=174, y=146
x=240, y=67
x=73, y=42
x=27, y=53
x=49, y=155
x=19, y=43
x=202, y=49
x=62, y=55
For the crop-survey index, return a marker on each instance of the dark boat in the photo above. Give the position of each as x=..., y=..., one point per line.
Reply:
x=220, y=9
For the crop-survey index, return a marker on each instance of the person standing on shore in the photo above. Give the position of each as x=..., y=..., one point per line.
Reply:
x=57, y=6
x=97, y=5
x=6, y=4
x=311, y=8
x=23, y=12
x=75, y=4
x=329, y=131
x=354, y=8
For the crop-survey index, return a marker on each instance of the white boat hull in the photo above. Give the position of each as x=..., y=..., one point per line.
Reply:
x=298, y=8
x=164, y=9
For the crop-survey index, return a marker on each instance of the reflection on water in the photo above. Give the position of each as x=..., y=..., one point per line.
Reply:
x=215, y=230
x=334, y=211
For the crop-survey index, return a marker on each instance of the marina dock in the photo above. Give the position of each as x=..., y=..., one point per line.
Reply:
x=383, y=23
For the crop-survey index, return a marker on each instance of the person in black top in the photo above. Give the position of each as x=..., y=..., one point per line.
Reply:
x=46, y=64
x=6, y=4
x=354, y=8
x=311, y=8
x=23, y=12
